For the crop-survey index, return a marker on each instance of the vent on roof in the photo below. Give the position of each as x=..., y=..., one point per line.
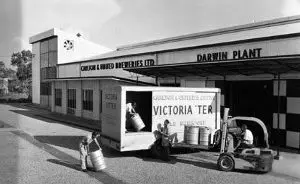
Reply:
x=68, y=44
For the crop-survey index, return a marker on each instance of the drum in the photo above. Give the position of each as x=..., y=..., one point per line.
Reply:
x=204, y=136
x=98, y=160
x=137, y=122
x=191, y=134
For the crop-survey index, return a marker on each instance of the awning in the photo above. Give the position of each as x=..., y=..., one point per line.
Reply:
x=247, y=67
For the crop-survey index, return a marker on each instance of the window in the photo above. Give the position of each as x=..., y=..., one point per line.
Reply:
x=45, y=88
x=72, y=98
x=51, y=72
x=48, y=58
x=44, y=46
x=44, y=60
x=87, y=99
x=58, y=96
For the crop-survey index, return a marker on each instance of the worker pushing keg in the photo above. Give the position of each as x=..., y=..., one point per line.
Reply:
x=91, y=147
x=133, y=119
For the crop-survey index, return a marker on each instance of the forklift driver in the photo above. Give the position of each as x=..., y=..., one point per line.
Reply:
x=246, y=140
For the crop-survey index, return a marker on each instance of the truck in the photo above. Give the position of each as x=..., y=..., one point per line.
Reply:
x=181, y=106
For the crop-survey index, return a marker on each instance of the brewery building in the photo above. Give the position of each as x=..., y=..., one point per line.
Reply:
x=256, y=66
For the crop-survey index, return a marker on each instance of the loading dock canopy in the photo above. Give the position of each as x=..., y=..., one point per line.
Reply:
x=273, y=66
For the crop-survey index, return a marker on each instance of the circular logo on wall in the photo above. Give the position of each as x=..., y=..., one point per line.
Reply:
x=68, y=44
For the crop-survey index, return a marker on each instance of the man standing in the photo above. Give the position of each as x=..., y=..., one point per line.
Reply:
x=83, y=150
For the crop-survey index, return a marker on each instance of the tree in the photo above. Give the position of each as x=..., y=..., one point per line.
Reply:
x=23, y=61
x=6, y=72
x=2, y=69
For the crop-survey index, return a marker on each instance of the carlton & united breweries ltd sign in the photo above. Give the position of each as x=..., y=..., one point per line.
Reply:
x=233, y=55
x=118, y=65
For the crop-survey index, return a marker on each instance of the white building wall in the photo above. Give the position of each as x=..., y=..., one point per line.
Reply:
x=81, y=48
x=45, y=100
x=70, y=70
x=36, y=73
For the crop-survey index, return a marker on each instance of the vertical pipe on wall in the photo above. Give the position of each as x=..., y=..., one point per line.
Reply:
x=278, y=114
x=81, y=109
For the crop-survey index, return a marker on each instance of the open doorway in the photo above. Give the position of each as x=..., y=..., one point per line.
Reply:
x=143, y=100
x=253, y=99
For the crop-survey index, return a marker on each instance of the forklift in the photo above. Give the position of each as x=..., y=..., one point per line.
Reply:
x=255, y=158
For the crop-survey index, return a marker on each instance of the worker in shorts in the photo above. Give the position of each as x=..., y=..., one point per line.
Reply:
x=83, y=150
x=86, y=146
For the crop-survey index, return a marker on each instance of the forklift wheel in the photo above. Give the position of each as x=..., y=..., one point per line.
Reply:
x=225, y=162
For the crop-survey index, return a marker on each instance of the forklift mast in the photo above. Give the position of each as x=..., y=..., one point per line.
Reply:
x=224, y=129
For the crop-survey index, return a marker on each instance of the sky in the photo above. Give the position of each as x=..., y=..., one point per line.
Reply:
x=114, y=23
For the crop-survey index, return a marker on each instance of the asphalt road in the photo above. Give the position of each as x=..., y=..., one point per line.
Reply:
x=36, y=150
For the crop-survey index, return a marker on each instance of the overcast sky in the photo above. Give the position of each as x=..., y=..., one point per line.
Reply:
x=113, y=23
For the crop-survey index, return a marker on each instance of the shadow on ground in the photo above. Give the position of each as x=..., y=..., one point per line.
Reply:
x=101, y=176
x=33, y=114
x=199, y=163
x=66, y=164
x=70, y=142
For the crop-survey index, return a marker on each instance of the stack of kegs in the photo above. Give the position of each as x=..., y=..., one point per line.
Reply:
x=196, y=135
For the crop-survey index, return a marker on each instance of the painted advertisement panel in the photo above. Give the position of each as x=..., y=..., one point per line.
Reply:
x=250, y=50
x=111, y=113
x=184, y=108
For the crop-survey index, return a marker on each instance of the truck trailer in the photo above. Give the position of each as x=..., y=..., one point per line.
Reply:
x=181, y=106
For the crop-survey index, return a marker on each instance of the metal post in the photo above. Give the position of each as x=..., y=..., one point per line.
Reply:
x=278, y=116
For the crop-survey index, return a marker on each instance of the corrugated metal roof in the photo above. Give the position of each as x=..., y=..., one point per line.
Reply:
x=263, y=29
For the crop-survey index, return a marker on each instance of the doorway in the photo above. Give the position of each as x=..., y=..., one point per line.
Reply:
x=253, y=99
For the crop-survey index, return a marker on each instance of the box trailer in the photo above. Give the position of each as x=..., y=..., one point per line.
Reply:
x=181, y=106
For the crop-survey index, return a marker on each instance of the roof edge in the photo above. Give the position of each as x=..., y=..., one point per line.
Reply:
x=249, y=26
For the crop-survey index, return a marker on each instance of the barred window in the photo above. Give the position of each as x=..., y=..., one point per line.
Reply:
x=58, y=96
x=87, y=99
x=72, y=98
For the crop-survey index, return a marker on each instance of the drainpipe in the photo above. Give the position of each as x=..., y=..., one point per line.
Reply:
x=278, y=114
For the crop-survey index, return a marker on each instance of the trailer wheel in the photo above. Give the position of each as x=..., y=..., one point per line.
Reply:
x=226, y=162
